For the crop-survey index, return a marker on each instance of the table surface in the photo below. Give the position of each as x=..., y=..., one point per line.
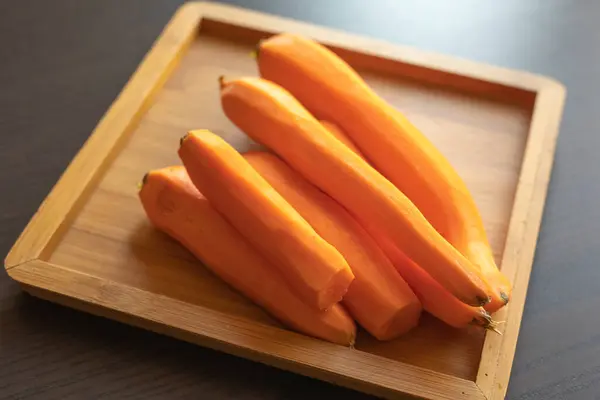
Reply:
x=63, y=62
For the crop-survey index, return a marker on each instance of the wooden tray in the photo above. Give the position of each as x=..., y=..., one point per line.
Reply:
x=89, y=246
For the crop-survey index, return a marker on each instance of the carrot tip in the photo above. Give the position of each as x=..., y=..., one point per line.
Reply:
x=183, y=139
x=486, y=316
x=504, y=298
x=484, y=320
x=221, y=82
x=144, y=180
x=257, y=48
x=482, y=301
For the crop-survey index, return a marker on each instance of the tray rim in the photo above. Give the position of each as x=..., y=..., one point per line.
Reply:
x=25, y=261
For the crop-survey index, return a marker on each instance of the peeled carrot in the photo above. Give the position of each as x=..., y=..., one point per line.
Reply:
x=435, y=299
x=341, y=136
x=272, y=116
x=313, y=267
x=175, y=206
x=378, y=298
x=330, y=89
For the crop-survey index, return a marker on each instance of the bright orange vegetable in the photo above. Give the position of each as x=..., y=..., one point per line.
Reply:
x=313, y=267
x=342, y=137
x=272, y=116
x=435, y=299
x=378, y=298
x=175, y=206
x=330, y=89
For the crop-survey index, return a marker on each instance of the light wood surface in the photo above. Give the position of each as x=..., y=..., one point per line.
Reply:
x=90, y=246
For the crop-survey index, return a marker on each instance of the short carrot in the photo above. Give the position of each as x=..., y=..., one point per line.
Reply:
x=175, y=206
x=378, y=298
x=313, y=267
x=341, y=136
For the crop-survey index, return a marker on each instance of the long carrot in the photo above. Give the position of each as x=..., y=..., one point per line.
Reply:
x=175, y=206
x=313, y=267
x=330, y=89
x=378, y=298
x=272, y=116
x=435, y=299
x=342, y=137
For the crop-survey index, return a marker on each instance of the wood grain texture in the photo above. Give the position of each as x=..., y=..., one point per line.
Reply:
x=498, y=354
x=241, y=336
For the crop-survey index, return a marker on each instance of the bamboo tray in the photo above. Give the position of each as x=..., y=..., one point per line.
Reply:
x=90, y=247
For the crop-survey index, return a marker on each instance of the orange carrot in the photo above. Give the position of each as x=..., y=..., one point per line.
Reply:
x=435, y=299
x=175, y=206
x=313, y=267
x=272, y=116
x=329, y=88
x=378, y=298
x=341, y=136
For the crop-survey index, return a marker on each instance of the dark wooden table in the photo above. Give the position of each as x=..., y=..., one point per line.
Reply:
x=63, y=62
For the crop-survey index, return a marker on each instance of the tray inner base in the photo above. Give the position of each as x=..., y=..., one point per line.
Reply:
x=110, y=237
